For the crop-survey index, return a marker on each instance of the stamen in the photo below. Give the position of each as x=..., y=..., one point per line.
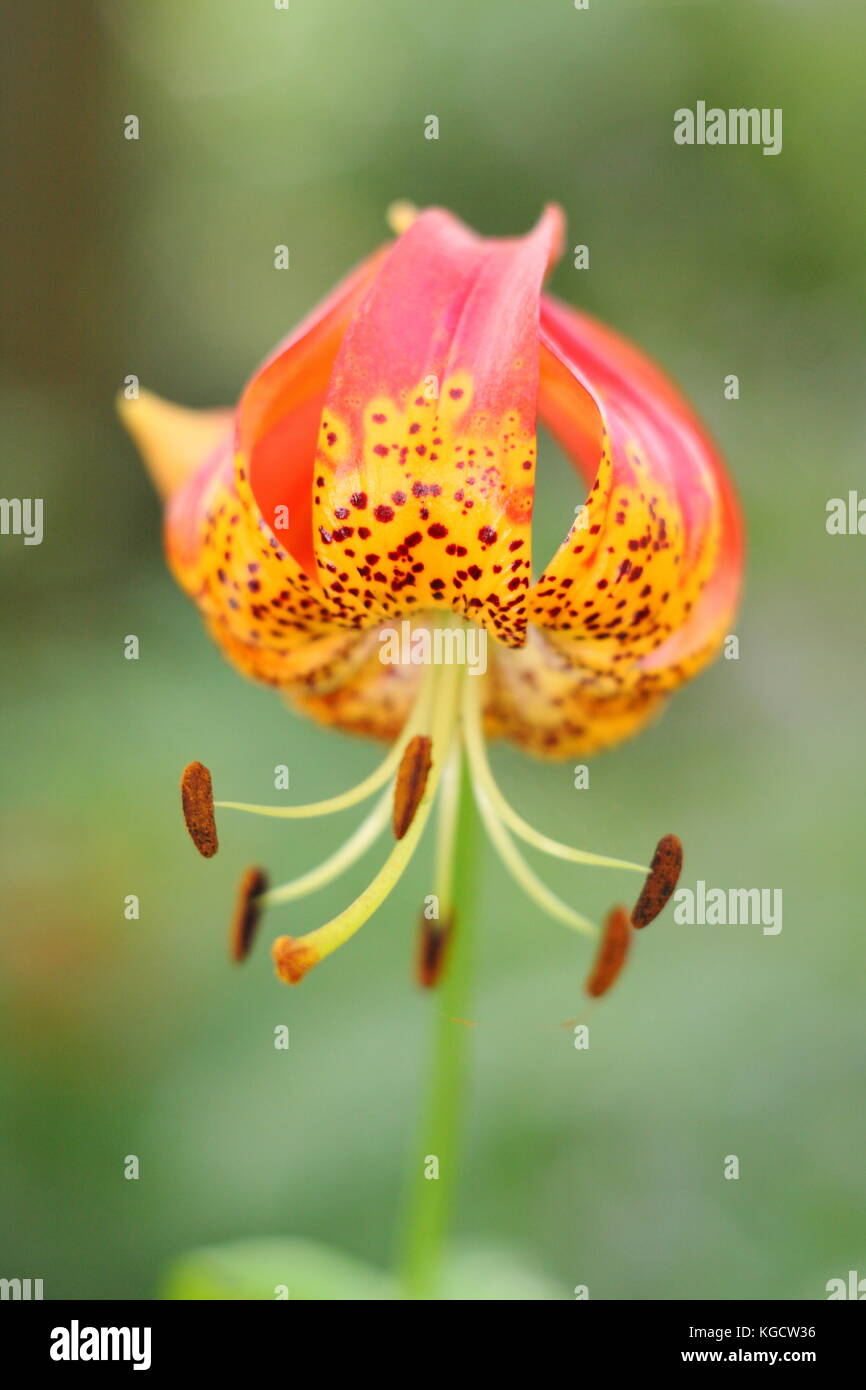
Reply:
x=418, y=718
x=434, y=938
x=523, y=874
x=661, y=881
x=482, y=773
x=612, y=952
x=295, y=956
x=411, y=781
x=351, y=850
x=248, y=910
x=196, y=794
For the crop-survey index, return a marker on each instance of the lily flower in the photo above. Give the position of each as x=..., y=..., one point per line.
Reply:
x=378, y=476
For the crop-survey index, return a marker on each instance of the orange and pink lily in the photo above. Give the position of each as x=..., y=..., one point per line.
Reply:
x=379, y=473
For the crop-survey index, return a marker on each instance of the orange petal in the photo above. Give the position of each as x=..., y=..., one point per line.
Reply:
x=426, y=457
x=280, y=410
x=542, y=701
x=374, y=702
x=171, y=439
x=238, y=534
x=644, y=587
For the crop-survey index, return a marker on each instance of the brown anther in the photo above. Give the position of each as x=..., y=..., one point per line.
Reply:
x=196, y=794
x=293, y=958
x=611, y=954
x=665, y=869
x=434, y=939
x=411, y=780
x=247, y=912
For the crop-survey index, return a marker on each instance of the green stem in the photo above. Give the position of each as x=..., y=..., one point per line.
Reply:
x=430, y=1199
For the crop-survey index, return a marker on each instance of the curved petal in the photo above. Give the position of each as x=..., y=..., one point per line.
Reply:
x=172, y=439
x=279, y=413
x=238, y=534
x=381, y=464
x=374, y=702
x=314, y=664
x=538, y=699
x=642, y=590
x=425, y=464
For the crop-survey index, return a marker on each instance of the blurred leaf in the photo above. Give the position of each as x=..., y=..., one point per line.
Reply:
x=491, y=1274
x=255, y=1269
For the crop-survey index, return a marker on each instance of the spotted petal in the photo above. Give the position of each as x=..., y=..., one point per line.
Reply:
x=238, y=534
x=643, y=589
x=644, y=586
x=426, y=458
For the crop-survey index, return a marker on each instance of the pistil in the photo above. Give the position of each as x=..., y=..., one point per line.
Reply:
x=294, y=957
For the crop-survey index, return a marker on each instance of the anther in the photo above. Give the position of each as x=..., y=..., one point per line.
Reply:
x=612, y=952
x=247, y=912
x=667, y=863
x=293, y=958
x=434, y=939
x=196, y=793
x=410, y=782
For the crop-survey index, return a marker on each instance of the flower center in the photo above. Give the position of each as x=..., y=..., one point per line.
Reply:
x=423, y=768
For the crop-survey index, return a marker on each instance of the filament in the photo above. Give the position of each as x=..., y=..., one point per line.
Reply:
x=350, y=851
x=294, y=956
x=483, y=777
x=417, y=719
x=520, y=871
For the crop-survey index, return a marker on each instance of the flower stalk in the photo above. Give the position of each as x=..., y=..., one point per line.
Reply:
x=430, y=1200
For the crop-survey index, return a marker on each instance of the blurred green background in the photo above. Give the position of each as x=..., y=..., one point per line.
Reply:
x=155, y=257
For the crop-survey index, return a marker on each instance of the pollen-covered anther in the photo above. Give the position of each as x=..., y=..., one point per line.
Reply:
x=665, y=869
x=434, y=939
x=196, y=793
x=247, y=912
x=411, y=782
x=612, y=953
x=293, y=957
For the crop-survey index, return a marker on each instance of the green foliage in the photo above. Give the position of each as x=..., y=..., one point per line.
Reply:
x=262, y=127
x=266, y=1269
x=305, y=1270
